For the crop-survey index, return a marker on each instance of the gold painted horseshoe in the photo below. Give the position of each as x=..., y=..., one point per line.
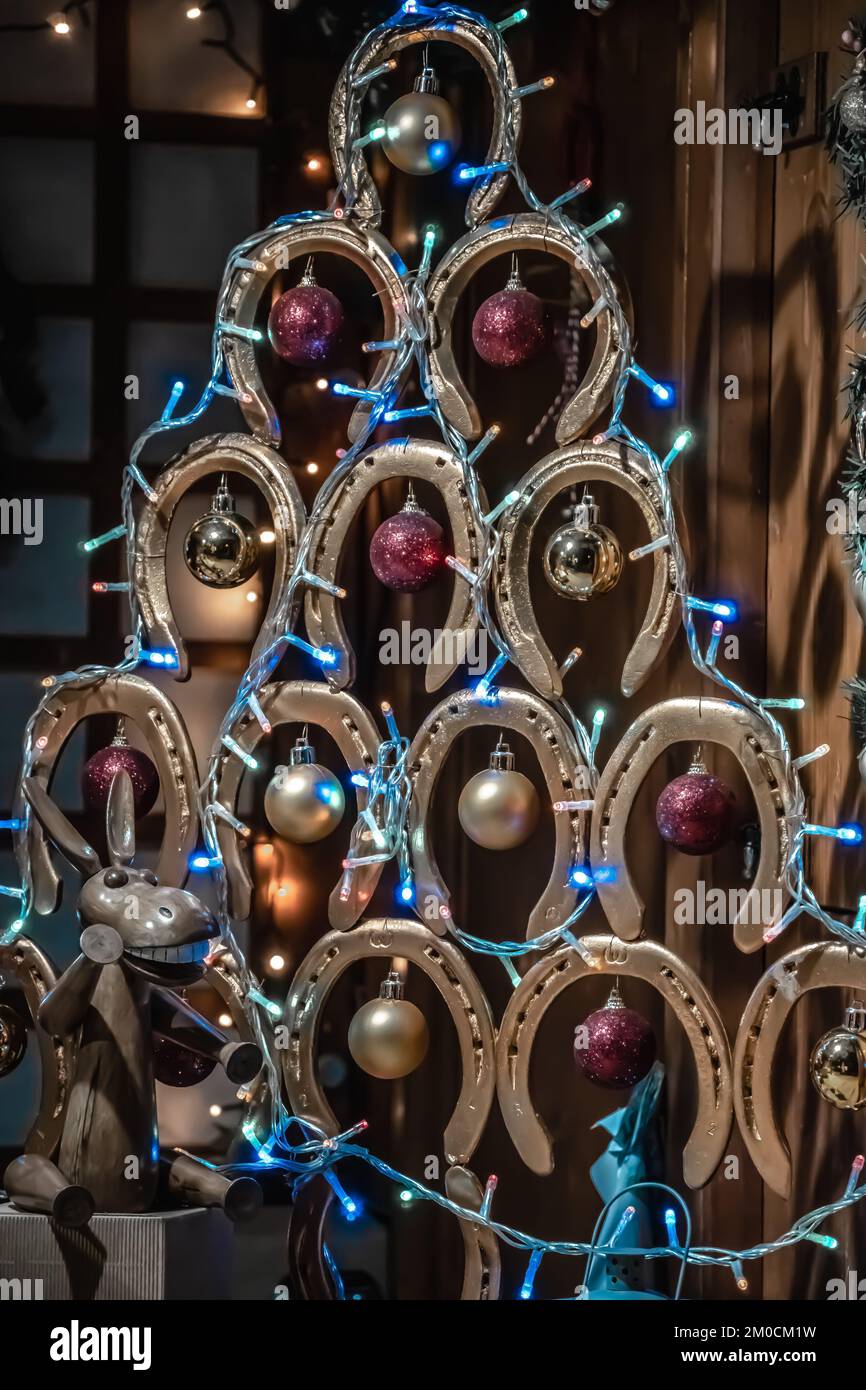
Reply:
x=561, y=767
x=455, y=981
x=680, y=988
x=366, y=249
x=22, y=963
x=527, y=231
x=356, y=736
x=695, y=720
x=823, y=965
x=399, y=458
x=482, y=1267
x=168, y=745
x=228, y=453
x=309, y=1276
x=568, y=468
x=375, y=50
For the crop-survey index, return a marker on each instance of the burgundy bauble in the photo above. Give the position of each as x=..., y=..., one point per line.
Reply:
x=100, y=770
x=510, y=328
x=304, y=323
x=177, y=1066
x=696, y=813
x=620, y=1046
x=407, y=551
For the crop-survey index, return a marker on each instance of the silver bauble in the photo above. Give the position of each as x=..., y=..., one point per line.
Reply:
x=852, y=107
x=583, y=558
x=388, y=1036
x=422, y=131
x=304, y=802
x=838, y=1062
x=498, y=808
x=222, y=549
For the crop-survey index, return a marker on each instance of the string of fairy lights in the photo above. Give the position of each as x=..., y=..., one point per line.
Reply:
x=388, y=786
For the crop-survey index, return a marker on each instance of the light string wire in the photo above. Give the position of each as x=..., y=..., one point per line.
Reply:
x=389, y=783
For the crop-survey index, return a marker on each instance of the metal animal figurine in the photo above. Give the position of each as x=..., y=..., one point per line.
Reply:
x=140, y=942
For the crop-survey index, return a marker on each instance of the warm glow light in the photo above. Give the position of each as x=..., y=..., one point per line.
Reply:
x=59, y=23
x=251, y=103
x=215, y=1110
x=267, y=537
x=277, y=962
x=194, y=12
x=322, y=383
x=314, y=165
x=225, y=1020
x=312, y=467
x=252, y=596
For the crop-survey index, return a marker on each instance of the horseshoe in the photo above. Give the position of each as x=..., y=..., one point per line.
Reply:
x=376, y=49
x=228, y=453
x=680, y=988
x=560, y=763
x=168, y=745
x=567, y=468
x=823, y=965
x=482, y=1267
x=309, y=1276
x=242, y=294
x=527, y=231
x=356, y=736
x=694, y=719
x=455, y=981
x=399, y=458
x=25, y=963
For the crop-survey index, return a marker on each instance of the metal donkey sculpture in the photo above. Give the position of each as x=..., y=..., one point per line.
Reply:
x=139, y=943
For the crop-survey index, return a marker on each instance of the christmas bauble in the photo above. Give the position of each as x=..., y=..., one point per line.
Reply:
x=222, y=549
x=407, y=551
x=388, y=1036
x=615, y=1046
x=852, y=107
x=422, y=131
x=510, y=327
x=304, y=802
x=13, y=1039
x=583, y=557
x=696, y=813
x=304, y=323
x=498, y=808
x=177, y=1066
x=100, y=771
x=838, y=1062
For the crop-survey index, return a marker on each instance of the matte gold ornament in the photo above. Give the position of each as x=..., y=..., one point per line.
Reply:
x=304, y=802
x=388, y=1037
x=823, y=965
x=385, y=938
x=838, y=1062
x=498, y=808
x=689, y=1001
x=778, y=800
x=222, y=549
x=573, y=467
x=583, y=557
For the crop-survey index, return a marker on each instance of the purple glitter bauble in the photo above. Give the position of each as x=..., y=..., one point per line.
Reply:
x=620, y=1046
x=100, y=770
x=177, y=1066
x=304, y=324
x=510, y=328
x=696, y=813
x=407, y=551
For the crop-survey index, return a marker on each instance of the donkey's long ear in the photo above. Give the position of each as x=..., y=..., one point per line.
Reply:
x=58, y=829
x=120, y=819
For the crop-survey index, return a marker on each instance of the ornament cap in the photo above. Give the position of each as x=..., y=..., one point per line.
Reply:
x=502, y=758
x=392, y=987
x=411, y=504
x=615, y=999
x=308, y=279
x=302, y=752
x=427, y=81
x=697, y=766
x=222, y=500
x=587, y=512
x=120, y=740
x=855, y=1016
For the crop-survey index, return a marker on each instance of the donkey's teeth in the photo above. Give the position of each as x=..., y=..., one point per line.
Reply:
x=172, y=955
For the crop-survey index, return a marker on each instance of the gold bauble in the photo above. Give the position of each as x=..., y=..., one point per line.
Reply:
x=304, y=802
x=498, y=808
x=583, y=557
x=838, y=1062
x=388, y=1036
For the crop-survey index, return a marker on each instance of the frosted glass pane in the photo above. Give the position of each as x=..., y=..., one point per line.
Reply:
x=46, y=232
x=57, y=371
x=46, y=584
x=161, y=354
x=172, y=71
x=44, y=67
x=190, y=206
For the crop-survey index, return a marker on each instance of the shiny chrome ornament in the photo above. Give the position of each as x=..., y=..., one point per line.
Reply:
x=583, y=557
x=222, y=549
x=838, y=1062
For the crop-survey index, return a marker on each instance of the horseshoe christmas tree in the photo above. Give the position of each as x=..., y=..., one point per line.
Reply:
x=144, y=935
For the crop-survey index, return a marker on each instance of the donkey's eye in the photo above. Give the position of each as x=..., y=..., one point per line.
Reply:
x=150, y=878
x=116, y=878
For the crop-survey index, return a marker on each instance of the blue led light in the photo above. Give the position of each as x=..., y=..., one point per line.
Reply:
x=165, y=657
x=665, y=398
x=581, y=878
x=200, y=862
x=406, y=891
